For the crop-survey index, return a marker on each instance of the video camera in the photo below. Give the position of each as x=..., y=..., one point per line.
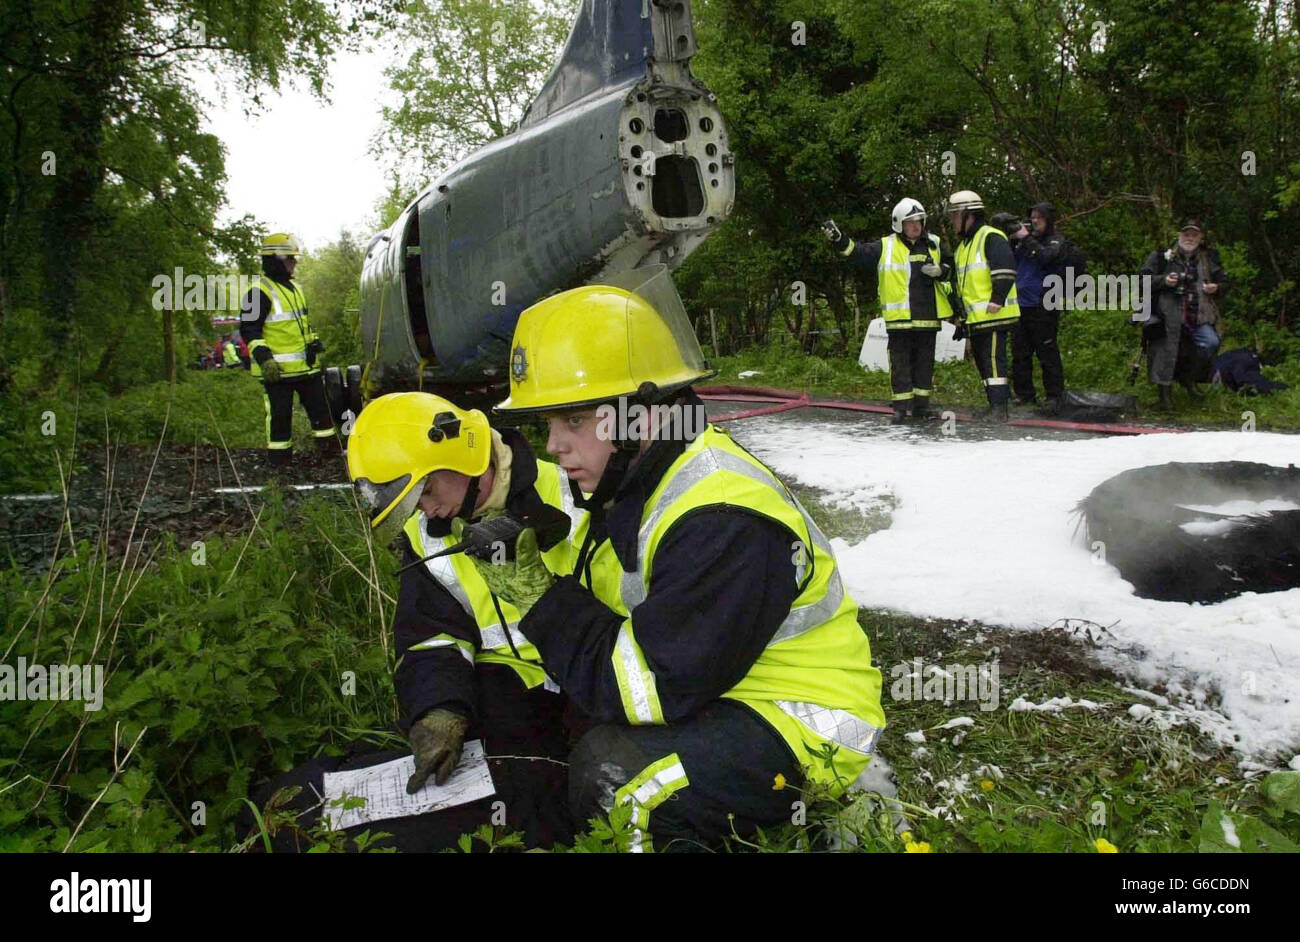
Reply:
x=1007, y=223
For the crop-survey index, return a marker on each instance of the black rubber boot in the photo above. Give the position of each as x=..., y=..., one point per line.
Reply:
x=1166, y=403
x=899, y=417
x=921, y=411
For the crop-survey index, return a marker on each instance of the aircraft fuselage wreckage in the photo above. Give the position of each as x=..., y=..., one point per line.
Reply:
x=621, y=161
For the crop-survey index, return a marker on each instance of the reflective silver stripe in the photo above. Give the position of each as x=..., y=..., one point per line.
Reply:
x=278, y=315
x=289, y=357
x=442, y=570
x=648, y=796
x=695, y=470
x=494, y=636
x=799, y=620
x=887, y=248
x=839, y=726
x=996, y=381
x=625, y=651
x=572, y=511
x=441, y=643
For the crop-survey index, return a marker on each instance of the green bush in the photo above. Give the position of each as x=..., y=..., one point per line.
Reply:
x=220, y=668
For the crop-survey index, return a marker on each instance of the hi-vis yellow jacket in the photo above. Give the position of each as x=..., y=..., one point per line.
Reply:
x=285, y=331
x=814, y=681
x=499, y=640
x=893, y=281
x=975, y=282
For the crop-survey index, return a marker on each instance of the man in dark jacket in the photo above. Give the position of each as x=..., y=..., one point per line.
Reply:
x=1039, y=254
x=1189, y=283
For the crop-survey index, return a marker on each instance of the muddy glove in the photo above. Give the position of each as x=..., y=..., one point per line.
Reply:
x=436, y=741
x=931, y=270
x=520, y=581
x=271, y=371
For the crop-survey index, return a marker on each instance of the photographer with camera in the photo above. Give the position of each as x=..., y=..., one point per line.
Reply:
x=1188, y=282
x=1040, y=252
x=285, y=351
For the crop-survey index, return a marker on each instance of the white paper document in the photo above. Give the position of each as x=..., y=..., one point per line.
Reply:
x=384, y=789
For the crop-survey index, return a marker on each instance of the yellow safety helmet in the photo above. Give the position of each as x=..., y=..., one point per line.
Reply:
x=280, y=243
x=593, y=344
x=401, y=438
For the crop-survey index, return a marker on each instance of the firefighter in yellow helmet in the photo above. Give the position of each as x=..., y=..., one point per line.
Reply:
x=703, y=623
x=285, y=351
x=423, y=467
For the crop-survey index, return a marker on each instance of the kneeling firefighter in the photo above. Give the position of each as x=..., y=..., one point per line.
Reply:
x=703, y=623
x=914, y=282
x=424, y=467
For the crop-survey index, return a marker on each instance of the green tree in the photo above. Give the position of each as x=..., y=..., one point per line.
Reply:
x=471, y=68
x=330, y=278
x=102, y=163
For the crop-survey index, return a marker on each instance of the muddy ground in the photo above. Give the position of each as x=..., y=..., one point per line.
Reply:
x=187, y=491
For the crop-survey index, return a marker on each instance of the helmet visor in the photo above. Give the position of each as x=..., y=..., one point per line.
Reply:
x=654, y=285
x=379, y=498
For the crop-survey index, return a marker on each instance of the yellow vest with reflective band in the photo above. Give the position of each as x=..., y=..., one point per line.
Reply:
x=230, y=353
x=814, y=682
x=456, y=574
x=976, y=284
x=893, y=279
x=285, y=330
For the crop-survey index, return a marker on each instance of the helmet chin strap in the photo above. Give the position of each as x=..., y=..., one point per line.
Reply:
x=471, y=498
x=610, y=479
x=624, y=451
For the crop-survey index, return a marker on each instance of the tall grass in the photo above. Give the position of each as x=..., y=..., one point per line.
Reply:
x=224, y=662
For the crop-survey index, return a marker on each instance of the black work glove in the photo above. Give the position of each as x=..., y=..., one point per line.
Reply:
x=271, y=371
x=436, y=741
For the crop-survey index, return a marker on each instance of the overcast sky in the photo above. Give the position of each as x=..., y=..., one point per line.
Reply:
x=301, y=164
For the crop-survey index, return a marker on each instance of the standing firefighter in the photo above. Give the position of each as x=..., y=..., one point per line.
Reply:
x=704, y=625
x=913, y=278
x=284, y=349
x=986, y=288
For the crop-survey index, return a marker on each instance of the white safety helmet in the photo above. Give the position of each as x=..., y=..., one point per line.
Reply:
x=964, y=200
x=907, y=208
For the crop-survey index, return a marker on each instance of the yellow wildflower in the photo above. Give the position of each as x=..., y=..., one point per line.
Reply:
x=1104, y=846
x=987, y=785
x=913, y=847
x=778, y=783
